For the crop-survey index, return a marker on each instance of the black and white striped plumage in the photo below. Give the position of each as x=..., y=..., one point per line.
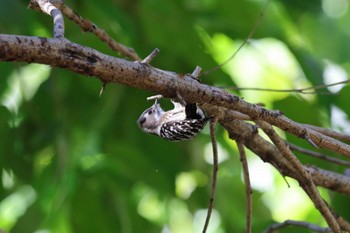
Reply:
x=183, y=122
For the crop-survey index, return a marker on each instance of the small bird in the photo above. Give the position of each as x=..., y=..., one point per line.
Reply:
x=181, y=123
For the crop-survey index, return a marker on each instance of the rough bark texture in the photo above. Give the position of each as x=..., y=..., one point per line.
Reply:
x=89, y=62
x=232, y=111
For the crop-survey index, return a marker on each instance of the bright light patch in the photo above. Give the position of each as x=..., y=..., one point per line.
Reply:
x=23, y=84
x=151, y=207
x=261, y=175
x=335, y=8
x=187, y=182
x=89, y=161
x=180, y=219
x=208, y=153
x=339, y=120
x=42, y=231
x=43, y=159
x=199, y=219
x=265, y=63
x=8, y=179
x=334, y=73
x=15, y=205
x=288, y=203
x=185, y=185
x=166, y=229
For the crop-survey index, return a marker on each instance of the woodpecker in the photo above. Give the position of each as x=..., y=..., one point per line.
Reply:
x=181, y=123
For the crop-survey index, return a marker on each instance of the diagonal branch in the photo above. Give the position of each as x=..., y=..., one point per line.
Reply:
x=330, y=133
x=55, y=8
x=88, y=26
x=303, y=177
x=60, y=52
x=89, y=62
x=318, y=155
x=329, y=180
x=248, y=134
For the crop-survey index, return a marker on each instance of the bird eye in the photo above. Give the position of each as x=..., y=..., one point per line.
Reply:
x=150, y=111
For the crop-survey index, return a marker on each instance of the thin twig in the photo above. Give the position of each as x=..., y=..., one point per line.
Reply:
x=303, y=177
x=330, y=133
x=317, y=138
x=248, y=188
x=88, y=26
x=213, y=122
x=318, y=155
x=305, y=90
x=250, y=35
x=103, y=88
x=288, y=223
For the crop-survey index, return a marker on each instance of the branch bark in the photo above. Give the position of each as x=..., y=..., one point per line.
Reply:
x=303, y=176
x=62, y=53
x=231, y=111
x=242, y=131
x=89, y=62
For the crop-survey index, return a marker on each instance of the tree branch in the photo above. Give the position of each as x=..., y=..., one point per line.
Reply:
x=89, y=62
x=248, y=188
x=287, y=223
x=248, y=134
x=318, y=155
x=229, y=109
x=303, y=177
x=62, y=53
x=213, y=122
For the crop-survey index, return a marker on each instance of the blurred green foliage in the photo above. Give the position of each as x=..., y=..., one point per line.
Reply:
x=73, y=162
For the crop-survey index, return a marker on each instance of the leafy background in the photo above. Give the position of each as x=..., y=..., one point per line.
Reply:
x=72, y=161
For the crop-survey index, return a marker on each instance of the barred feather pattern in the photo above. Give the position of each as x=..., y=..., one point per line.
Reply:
x=183, y=122
x=182, y=130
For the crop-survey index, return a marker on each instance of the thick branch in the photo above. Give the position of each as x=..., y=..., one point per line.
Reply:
x=89, y=62
x=303, y=178
x=248, y=134
x=330, y=180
